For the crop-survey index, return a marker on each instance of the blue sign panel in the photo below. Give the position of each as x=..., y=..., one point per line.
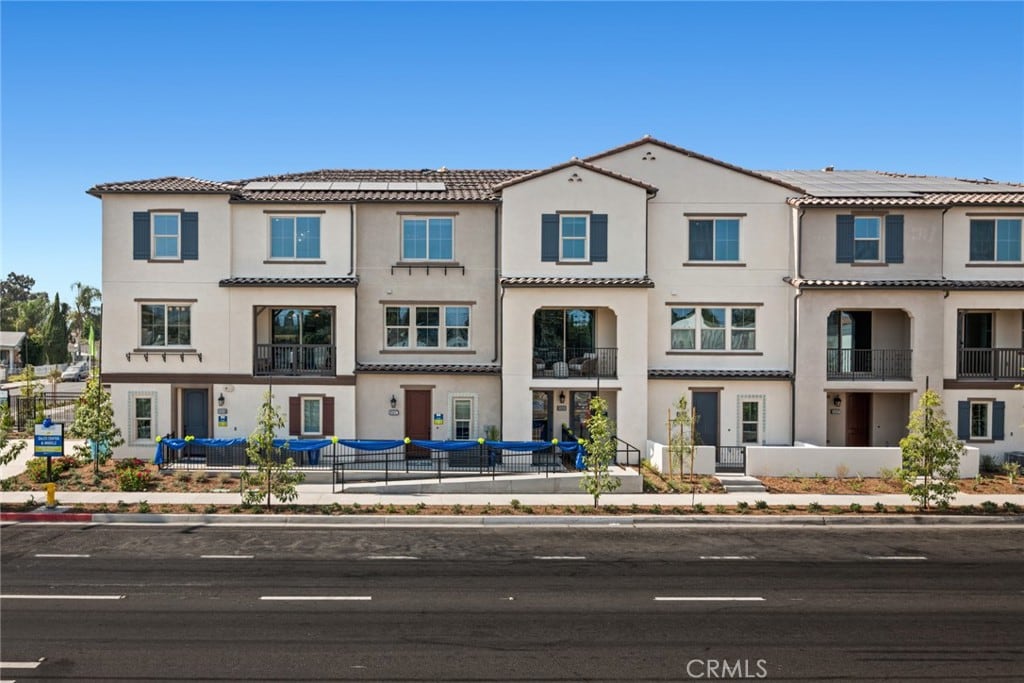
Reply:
x=49, y=440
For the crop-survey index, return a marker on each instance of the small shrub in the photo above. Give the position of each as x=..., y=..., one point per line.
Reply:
x=1011, y=507
x=814, y=507
x=676, y=510
x=392, y=508
x=879, y=507
x=515, y=503
x=190, y=508
x=743, y=505
x=988, y=507
x=486, y=509
x=968, y=510
x=129, y=479
x=201, y=476
x=655, y=509
x=698, y=508
x=412, y=509
x=121, y=506
x=854, y=507
x=457, y=509
x=224, y=477
x=611, y=509
x=36, y=469
x=942, y=505
x=836, y=510
x=527, y=509
x=761, y=504
x=790, y=506
x=210, y=509
x=720, y=510
x=1012, y=470
x=987, y=464
x=634, y=508
x=419, y=506
x=900, y=509
x=183, y=476
x=356, y=506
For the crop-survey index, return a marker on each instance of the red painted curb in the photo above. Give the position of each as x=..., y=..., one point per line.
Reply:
x=45, y=516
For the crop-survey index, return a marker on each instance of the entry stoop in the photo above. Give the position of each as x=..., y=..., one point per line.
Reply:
x=740, y=483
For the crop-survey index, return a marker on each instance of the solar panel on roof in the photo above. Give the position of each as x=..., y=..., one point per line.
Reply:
x=368, y=185
x=347, y=185
x=405, y=187
x=431, y=187
x=288, y=185
x=317, y=185
x=262, y=185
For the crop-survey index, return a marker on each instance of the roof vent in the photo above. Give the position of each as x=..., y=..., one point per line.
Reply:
x=443, y=169
x=829, y=169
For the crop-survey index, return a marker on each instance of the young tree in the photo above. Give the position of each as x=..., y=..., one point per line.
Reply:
x=271, y=478
x=931, y=454
x=85, y=311
x=94, y=421
x=682, y=443
x=31, y=396
x=8, y=451
x=600, y=452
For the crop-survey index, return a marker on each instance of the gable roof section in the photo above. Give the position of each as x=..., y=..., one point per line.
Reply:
x=934, y=284
x=166, y=185
x=9, y=340
x=651, y=190
x=647, y=139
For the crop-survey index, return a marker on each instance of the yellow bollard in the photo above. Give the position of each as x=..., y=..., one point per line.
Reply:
x=51, y=495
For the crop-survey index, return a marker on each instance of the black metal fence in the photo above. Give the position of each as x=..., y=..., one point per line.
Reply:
x=731, y=459
x=26, y=411
x=868, y=364
x=997, y=364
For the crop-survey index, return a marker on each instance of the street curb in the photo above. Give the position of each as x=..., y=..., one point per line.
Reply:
x=396, y=521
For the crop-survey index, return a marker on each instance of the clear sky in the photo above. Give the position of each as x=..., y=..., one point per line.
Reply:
x=99, y=92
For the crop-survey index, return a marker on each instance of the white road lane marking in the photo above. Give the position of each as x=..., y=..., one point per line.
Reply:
x=391, y=557
x=59, y=555
x=20, y=665
x=727, y=557
x=709, y=599
x=897, y=557
x=226, y=557
x=24, y=596
x=559, y=557
x=308, y=598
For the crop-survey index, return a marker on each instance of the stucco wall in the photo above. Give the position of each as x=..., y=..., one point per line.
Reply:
x=858, y=462
x=956, y=263
x=374, y=392
x=250, y=228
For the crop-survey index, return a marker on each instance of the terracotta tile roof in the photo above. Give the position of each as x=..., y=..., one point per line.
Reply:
x=670, y=373
x=170, y=184
x=289, y=282
x=577, y=281
x=936, y=200
x=429, y=368
x=369, y=185
x=579, y=164
x=940, y=284
x=647, y=139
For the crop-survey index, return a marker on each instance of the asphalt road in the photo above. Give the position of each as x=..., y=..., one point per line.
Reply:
x=117, y=603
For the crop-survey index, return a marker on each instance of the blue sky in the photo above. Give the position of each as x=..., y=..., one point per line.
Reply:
x=98, y=92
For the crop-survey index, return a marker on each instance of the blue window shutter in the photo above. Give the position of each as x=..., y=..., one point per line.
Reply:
x=549, y=237
x=599, y=237
x=983, y=240
x=844, y=238
x=998, y=420
x=894, y=239
x=140, y=235
x=189, y=236
x=702, y=237
x=963, y=420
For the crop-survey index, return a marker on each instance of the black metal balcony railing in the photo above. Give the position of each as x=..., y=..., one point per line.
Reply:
x=868, y=364
x=293, y=359
x=569, y=361
x=996, y=364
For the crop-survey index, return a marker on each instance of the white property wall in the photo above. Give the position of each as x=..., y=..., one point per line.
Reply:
x=703, y=460
x=807, y=461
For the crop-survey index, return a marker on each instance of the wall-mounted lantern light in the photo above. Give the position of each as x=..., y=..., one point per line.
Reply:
x=220, y=400
x=837, y=401
x=394, y=402
x=561, y=397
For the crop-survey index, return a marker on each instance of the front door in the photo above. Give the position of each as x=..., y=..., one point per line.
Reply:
x=858, y=419
x=195, y=413
x=705, y=405
x=542, y=416
x=580, y=413
x=417, y=420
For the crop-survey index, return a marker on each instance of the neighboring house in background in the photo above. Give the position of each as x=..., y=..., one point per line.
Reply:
x=11, y=344
x=807, y=306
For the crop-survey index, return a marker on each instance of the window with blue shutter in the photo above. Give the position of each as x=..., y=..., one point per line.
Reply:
x=963, y=420
x=998, y=420
x=844, y=238
x=549, y=237
x=140, y=235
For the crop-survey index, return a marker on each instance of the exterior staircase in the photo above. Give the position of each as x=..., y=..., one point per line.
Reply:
x=740, y=483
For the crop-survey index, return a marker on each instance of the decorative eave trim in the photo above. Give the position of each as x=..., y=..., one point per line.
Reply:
x=651, y=189
x=618, y=282
x=289, y=282
x=933, y=284
x=427, y=368
x=672, y=373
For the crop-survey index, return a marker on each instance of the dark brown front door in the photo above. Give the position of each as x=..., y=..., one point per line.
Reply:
x=858, y=419
x=417, y=420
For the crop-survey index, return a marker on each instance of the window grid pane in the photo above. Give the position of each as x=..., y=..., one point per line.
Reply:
x=311, y=416
x=1008, y=233
x=414, y=238
x=282, y=237
x=979, y=420
x=727, y=239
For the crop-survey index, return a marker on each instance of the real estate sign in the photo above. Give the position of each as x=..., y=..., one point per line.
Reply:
x=49, y=439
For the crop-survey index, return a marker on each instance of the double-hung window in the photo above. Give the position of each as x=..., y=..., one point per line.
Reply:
x=312, y=415
x=164, y=325
x=996, y=239
x=295, y=237
x=714, y=239
x=750, y=422
x=166, y=236
x=709, y=328
x=428, y=238
x=143, y=417
x=867, y=238
x=573, y=238
x=462, y=418
x=426, y=327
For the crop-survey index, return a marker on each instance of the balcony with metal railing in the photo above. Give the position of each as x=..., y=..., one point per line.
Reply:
x=868, y=364
x=312, y=360
x=569, y=361
x=991, y=363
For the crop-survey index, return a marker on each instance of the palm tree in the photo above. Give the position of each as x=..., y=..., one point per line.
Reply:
x=86, y=311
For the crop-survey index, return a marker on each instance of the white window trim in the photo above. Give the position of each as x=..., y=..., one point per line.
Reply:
x=728, y=328
x=295, y=238
x=473, y=411
x=428, y=258
x=302, y=415
x=880, y=240
x=586, y=238
x=153, y=236
x=166, y=305
x=760, y=399
x=133, y=440
x=987, y=436
x=442, y=328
